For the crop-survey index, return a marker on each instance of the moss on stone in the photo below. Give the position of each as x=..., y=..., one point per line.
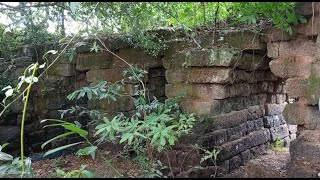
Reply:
x=311, y=88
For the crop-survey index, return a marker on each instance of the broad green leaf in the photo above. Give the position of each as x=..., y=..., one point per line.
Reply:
x=74, y=128
x=5, y=157
x=3, y=170
x=57, y=137
x=51, y=125
x=162, y=141
x=171, y=140
x=87, y=151
x=125, y=137
x=61, y=148
x=55, y=120
x=3, y=146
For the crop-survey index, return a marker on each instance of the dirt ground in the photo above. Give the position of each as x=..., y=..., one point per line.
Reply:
x=46, y=168
x=271, y=165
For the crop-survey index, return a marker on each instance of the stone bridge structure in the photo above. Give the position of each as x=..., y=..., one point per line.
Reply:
x=250, y=89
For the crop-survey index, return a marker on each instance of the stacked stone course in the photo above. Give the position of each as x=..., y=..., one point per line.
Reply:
x=228, y=83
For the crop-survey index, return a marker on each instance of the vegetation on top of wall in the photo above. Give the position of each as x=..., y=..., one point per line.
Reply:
x=31, y=21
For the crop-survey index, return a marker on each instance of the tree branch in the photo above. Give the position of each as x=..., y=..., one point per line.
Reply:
x=19, y=7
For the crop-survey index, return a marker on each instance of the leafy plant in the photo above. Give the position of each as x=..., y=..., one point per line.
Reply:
x=81, y=173
x=278, y=145
x=74, y=128
x=10, y=92
x=210, y=155
x=12, y=167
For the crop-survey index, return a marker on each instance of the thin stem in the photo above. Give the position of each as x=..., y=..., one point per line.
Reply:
x=143, y=86
x=109, y=164
x=24, y=117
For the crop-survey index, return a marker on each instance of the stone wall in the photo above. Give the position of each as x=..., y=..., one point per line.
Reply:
x=231, y=86
x=227, y=83
x=296, y=59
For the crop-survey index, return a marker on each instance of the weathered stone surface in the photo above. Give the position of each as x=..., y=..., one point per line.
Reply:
x=110, y=75
x=305, y=150
x=27, y=120
x=62, y=70
x=255, y=112
x=156, y=72
x=245, y=157
x=242, y=76
x=207, y=75
x=53, y=81
x=207, y=91
x=174, y=76
x=122, y=104
x=258, y=124
x=203, y=91
x=259, y=137
x=276, y=121
x=250, y=126
x=311, y=28
x=279, y=132
x=274, y=109
x=90, y=61
x=300, y=46
x=230, y=149
x=9, y=133
x=257, y=151
x=136, y=56
x=233, y=148
x=273, y=35
x=210, y=75
x=237, y=131
x=292, y=66
x=241, y=89
x=200, y=107
x=294, y=88
x=273, y=50
x=311, y=91
x=17, y=106
x=268, y=121
x=235, y=162
x=213, y=57
x=62, y=59
x=223, y=121
x=251, y=62
x=306, y=8
x=307, y=88
x=244, y=40
x=281, y=98
x=212, y=139
x=298, y=113
x=176, y=45
x=239, y=103
x=292, y=129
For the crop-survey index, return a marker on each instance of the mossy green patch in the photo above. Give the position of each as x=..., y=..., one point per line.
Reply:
x=311, y=88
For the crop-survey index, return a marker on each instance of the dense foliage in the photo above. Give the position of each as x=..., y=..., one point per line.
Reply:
x=31, y=21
